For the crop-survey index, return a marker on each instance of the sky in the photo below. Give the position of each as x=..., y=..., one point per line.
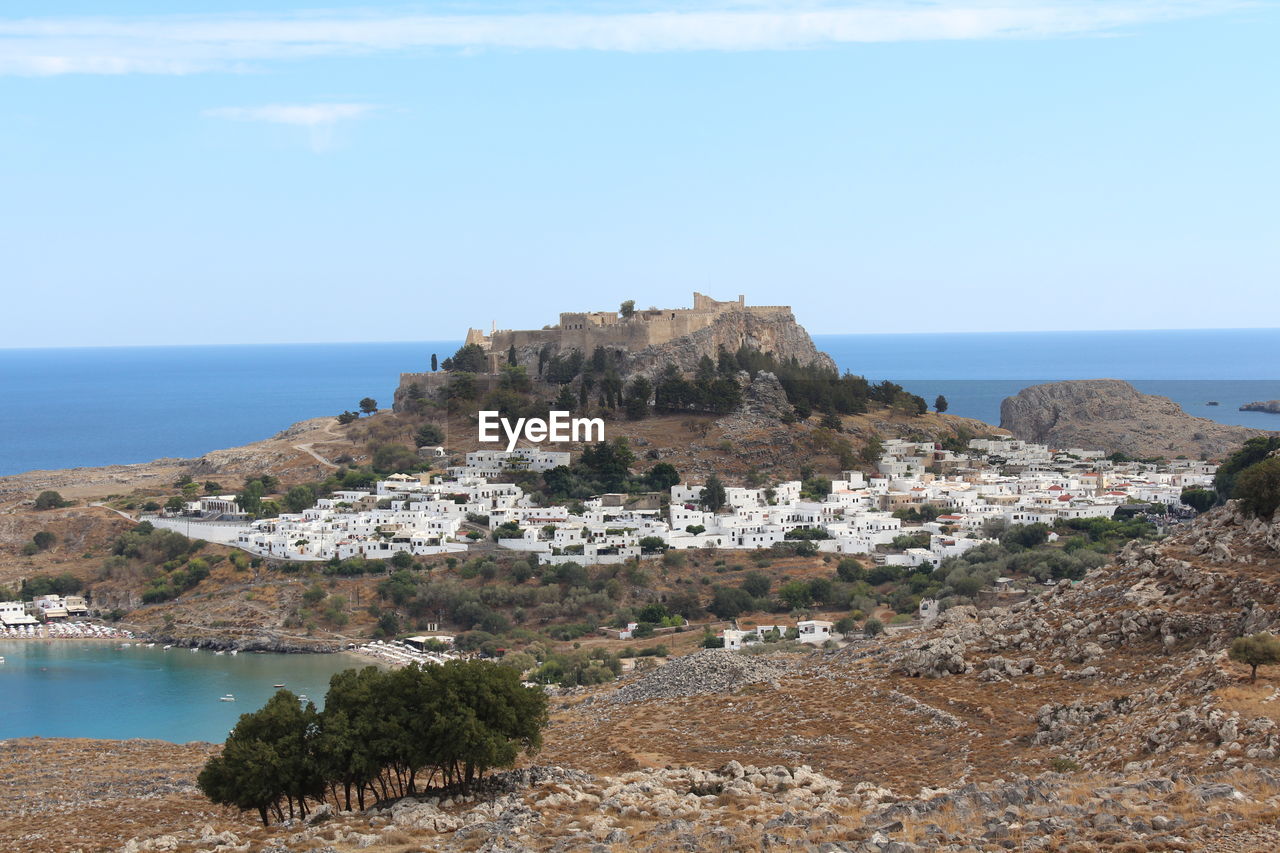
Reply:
x=255, y=171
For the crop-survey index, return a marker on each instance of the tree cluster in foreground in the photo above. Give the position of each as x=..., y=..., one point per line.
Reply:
x=381, y=735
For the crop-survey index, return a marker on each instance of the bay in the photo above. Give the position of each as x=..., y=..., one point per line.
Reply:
x=97, y=689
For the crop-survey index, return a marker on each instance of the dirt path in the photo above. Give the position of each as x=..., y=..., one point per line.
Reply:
x=308, y=447
x=118, y=512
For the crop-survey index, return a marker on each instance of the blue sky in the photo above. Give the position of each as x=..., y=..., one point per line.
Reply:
x=214, y=173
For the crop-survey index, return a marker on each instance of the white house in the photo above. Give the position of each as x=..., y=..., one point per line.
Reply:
x=813, y=631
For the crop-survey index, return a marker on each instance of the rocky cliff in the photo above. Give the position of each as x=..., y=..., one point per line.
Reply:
x=779, y=334
x=1112, y=415
x=776, y=333
x=1271, y=406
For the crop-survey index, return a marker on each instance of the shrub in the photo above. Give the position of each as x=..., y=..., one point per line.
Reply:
x=872, y=627
x=1257, y=488
x=50, y=500
x=1258, y=650
x=757, y=584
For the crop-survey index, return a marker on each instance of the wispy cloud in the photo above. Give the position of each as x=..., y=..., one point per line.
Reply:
x=194, y=44
x=305, y=115
x=317, y=119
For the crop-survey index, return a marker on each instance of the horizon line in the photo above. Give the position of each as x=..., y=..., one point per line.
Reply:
x=811, y=334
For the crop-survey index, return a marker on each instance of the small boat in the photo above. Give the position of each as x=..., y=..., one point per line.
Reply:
x=1213, y=403
x=234, y=652
x=219, y=652
x=228, y=698
x=277, y=686
x=1, y=658
x=193, y=651
x=168, y=646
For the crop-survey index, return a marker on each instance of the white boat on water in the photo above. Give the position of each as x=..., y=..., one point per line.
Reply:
x=168, y=646
x=219, y=652
x=228, y=698
x=234, y=652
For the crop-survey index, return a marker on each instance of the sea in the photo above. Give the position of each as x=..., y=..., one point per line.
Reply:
x=99, y=689
x=66, y=408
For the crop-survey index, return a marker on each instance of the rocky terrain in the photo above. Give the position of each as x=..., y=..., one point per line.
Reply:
x=1112, y=415
x=1098, y=715
x=304, y=451
x=1271, y=406
x=779, y=334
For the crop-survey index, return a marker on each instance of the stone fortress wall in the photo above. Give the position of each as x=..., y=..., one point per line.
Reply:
x=584, y=331
x=645, y=343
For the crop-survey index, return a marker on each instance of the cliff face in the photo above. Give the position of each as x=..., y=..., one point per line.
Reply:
x=779, y=334
x=1112, y=415
x=776, y=332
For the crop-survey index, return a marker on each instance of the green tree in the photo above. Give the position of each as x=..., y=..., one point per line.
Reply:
x=796, y=594
x=636, y=399
x=434, y=364
x=347, y=417
x=368, y=405
x=470, y=358
x=652, y=545
x=728, y=602
x=428, y=435
x=1258, y=650
x=940, y=404
x=49, y=499
x=267, y=758
x=661, y=477
x=1258, y=488
x=850, y=570
x=757, y=584
x=1201, y=500
x=713, y=494
x=872, y=627
x=299, y=498
x=627, y=309
x=1252, y=452
x=43, y=540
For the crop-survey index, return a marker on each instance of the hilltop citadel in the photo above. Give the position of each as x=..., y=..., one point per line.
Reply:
x=641, y=341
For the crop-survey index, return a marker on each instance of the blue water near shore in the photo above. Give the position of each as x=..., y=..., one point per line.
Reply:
x=65, y=688
x=975, y=372
x=65, y=408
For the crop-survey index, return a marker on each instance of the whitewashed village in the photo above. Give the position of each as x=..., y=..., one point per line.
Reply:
x=996, y=482
x=999, y=480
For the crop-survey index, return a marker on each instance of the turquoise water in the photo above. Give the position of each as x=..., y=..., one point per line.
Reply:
x=64, y=688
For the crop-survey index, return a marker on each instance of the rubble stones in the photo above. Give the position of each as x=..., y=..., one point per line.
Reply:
x=707, y=671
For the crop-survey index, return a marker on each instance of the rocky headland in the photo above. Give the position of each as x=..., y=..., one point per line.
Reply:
x=1270, y=406
x=1112, y=415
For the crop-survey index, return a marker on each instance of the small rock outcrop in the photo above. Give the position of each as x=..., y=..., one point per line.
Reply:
x=708, y=671
x=1112, y=415
x=1270, y=406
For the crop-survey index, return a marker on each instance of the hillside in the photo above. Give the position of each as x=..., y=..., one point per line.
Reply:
x=1112, y=415
x=1102, y=715
x=255, y=606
